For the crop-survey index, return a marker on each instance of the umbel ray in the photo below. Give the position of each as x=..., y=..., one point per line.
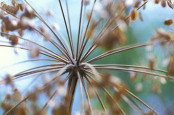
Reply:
x=73, y=63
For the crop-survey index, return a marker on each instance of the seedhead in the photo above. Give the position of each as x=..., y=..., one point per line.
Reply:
x=72, y=63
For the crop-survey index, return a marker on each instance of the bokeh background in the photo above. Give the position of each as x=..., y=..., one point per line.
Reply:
x=138, y=32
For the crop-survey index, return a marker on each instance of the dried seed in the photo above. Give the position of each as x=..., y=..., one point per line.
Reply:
x=157, y=1
x=168, y=22
x=163, y=3
x=152, y=62
x=170, y=67
x=134, y=14
x=14, y=40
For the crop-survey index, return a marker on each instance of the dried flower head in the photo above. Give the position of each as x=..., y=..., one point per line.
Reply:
x=101, y=27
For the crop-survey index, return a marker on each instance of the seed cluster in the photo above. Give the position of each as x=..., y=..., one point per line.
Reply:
x=71, y=62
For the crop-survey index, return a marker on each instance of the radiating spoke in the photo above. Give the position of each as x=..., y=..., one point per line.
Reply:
x=134, y=70
x=103, y=30
x=130, y=66
x=52, y=95
x=86, y=92
x=96, y=94
x=39, y=16
x=52, y=52
x=86, y=30
x=117, y=50
x=79, y=31
x=141, y=101
x=68, y=33
x=104, y=89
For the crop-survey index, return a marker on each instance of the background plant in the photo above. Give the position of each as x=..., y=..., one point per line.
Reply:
x=109, y=25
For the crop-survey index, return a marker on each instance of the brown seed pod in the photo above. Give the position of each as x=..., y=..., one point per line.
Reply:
x=163, y=3
x=134, y=14
x=21, y=7
x=152, y=62
x=20, y=32
x=168, y=22
x=170, y=67
x=13, y=40
x=156, y=1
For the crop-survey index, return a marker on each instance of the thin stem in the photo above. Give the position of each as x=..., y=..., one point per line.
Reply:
x=93, y=46
x=51, y=40
x=98, y=97
x=133, y=70
x=83, y=26
x=66, y=26
x=140, y=101
x=81, y=90
x=52, y=95
x=13, y=108
x=132, y=66
x=30, y=84
x=86, y=92
x=117, y=50
x=69, y=22
x=134, y=102
x=23, y=100
x=50, y=69
x=108, y=95
x=83, y=46
x=103, y=30
x=59, y=47
x=39, y=16
x=38, y=67
x=78, y=38
x=61, y=58
x=71, y=90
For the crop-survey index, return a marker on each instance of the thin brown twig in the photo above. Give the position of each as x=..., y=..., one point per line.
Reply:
x=104, y=89
x=69, y=22
x=117, y=50
x=82, y=44
x=86, y=92
x=57, y=55
x=79, y=31
x=133, y=70
x=93, y=47
x=98, y=97
x=66, y=26
x=132, y=66
x=39, y=16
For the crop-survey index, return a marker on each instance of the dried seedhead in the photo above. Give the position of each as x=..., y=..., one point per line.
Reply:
x=102, y=27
